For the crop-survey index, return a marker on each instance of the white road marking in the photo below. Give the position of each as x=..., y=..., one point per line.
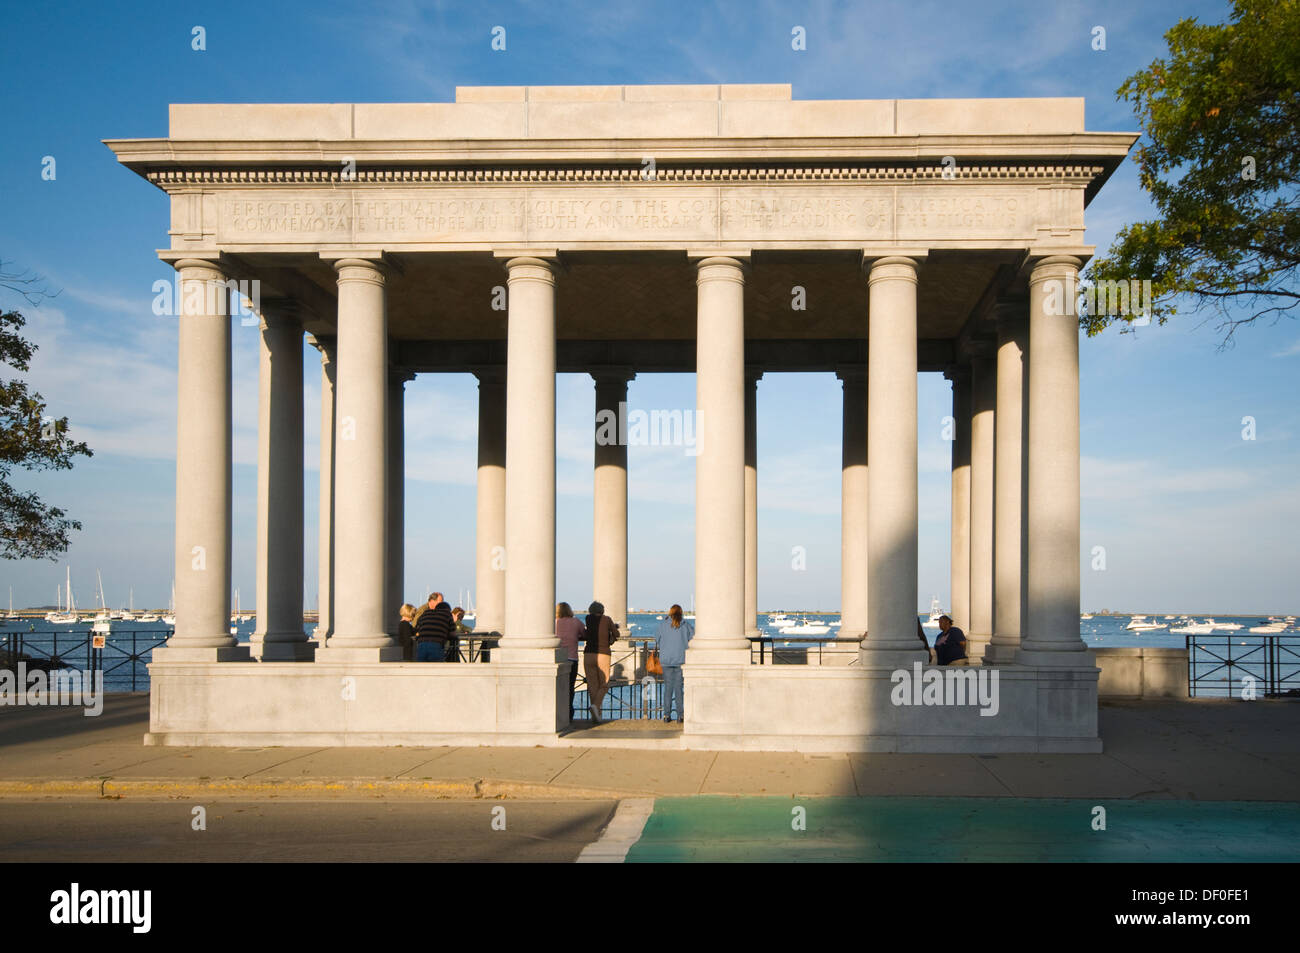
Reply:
x=624, y=830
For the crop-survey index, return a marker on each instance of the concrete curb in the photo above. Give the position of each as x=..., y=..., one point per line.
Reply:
x=459, y=789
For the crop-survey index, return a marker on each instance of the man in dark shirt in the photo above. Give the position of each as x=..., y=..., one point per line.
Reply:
x=950, y=646
x=432, y=630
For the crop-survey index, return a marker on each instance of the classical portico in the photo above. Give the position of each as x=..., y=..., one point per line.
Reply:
x=625, y=231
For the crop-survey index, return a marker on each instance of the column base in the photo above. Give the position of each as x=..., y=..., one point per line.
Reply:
x=1081, y=657
x=725, y=654
x=892, y=656
x=335, y=652
x=530, y=655
x=207, y=653
x=1001, y=653
x=284, y=651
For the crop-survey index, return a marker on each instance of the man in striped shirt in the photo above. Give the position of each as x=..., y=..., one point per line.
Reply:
x=432, y=630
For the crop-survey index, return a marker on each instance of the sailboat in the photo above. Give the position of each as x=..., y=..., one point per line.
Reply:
x=170, y=617
x=691, y=616
x=69, y=616
x=470, y=612
x=103, y=615
x=11, y=614
x=128, y=614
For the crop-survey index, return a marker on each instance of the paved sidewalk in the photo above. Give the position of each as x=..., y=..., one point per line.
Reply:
x=1203, y=750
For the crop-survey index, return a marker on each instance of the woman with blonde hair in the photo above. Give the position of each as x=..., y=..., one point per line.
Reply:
x=406, y=631
x=671, y=638
x=569, y=631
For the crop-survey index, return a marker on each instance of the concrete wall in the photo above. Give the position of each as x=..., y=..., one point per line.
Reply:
x=1146, y=672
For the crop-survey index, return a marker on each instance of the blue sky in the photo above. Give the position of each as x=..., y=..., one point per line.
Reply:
x=1192, y=517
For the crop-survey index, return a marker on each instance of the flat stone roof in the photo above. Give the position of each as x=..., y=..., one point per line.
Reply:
x=761, y=111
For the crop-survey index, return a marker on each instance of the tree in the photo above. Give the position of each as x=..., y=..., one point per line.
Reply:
x=1220, y=157
x=29, y=439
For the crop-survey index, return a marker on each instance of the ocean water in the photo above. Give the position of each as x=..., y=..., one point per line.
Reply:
x=129, y=644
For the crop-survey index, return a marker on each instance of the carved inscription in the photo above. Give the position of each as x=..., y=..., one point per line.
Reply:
x=620, y=214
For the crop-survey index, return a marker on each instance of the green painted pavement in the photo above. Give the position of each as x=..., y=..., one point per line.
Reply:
x=942, y=829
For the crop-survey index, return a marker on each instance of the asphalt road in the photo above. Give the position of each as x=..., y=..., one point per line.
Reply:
x=299, y=831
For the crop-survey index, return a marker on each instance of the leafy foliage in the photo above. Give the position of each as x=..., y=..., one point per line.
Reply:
x=1220, y=157
x=29, y=528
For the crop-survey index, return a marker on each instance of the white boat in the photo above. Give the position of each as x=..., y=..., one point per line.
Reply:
x=1086, y=615
x=103, y=615
x=170, y=617
x=1271, y=629
x=148, y=617
x=1140, y=623
x=68, y=616
x=128, y=614
x=805, y=627
x=1194, y=628
x=11, y=614
x=1226, y=626
x=778, y=619
x=935, y=612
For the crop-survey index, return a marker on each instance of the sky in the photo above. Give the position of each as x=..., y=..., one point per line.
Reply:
x=1188, y=515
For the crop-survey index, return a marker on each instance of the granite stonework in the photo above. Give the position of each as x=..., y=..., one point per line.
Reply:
x=518, y=232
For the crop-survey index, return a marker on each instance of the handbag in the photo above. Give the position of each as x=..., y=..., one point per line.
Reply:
x=652, y=664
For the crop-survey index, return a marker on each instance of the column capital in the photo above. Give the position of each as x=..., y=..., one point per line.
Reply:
x=494, y=375
x=400, y=375
x=719, y=268
x=361, y=269
x=892, y=268
x=753, y=375
x=613, y=374
x=280, y=313
x=210, y=265
x=957, y=373
x=1053, y=267
x=852, y=373
x=326, y=344
x=529, y=268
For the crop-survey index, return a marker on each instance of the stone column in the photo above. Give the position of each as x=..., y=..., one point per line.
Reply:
x=960, y=545
x=529, y=633
x=490, y=537
x=609, y=496
x=752, y=377
x=983, y=408
x=361, y=469
x=720, y=465
x=396, y=571
x=325, y=533
x=279, y=636
x=1051, y=635
x=854, y=539
x=891, y=477
x=1009, y=486
x=203, y=472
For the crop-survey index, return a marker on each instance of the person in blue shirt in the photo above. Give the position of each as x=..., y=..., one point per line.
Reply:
x=950, y=646
x=671, y=638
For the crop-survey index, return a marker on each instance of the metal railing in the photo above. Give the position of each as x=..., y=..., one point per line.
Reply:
x=120, y=658
x=810, y=650
x=632, y=693
x=1220, y=664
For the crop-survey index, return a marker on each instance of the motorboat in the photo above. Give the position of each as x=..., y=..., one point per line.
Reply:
x=1226, y=626
x=1192, y=628
x=935, y=612
x=1086, y=615
x=777, y=619
x=1270, y=629
x=1140, y=623
x=805, y=627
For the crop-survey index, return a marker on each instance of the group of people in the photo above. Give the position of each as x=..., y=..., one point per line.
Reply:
x=432, y=632
x=598, y=631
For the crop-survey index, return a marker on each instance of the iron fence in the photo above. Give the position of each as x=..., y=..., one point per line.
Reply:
x=120, y=658
x=1228, y=664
